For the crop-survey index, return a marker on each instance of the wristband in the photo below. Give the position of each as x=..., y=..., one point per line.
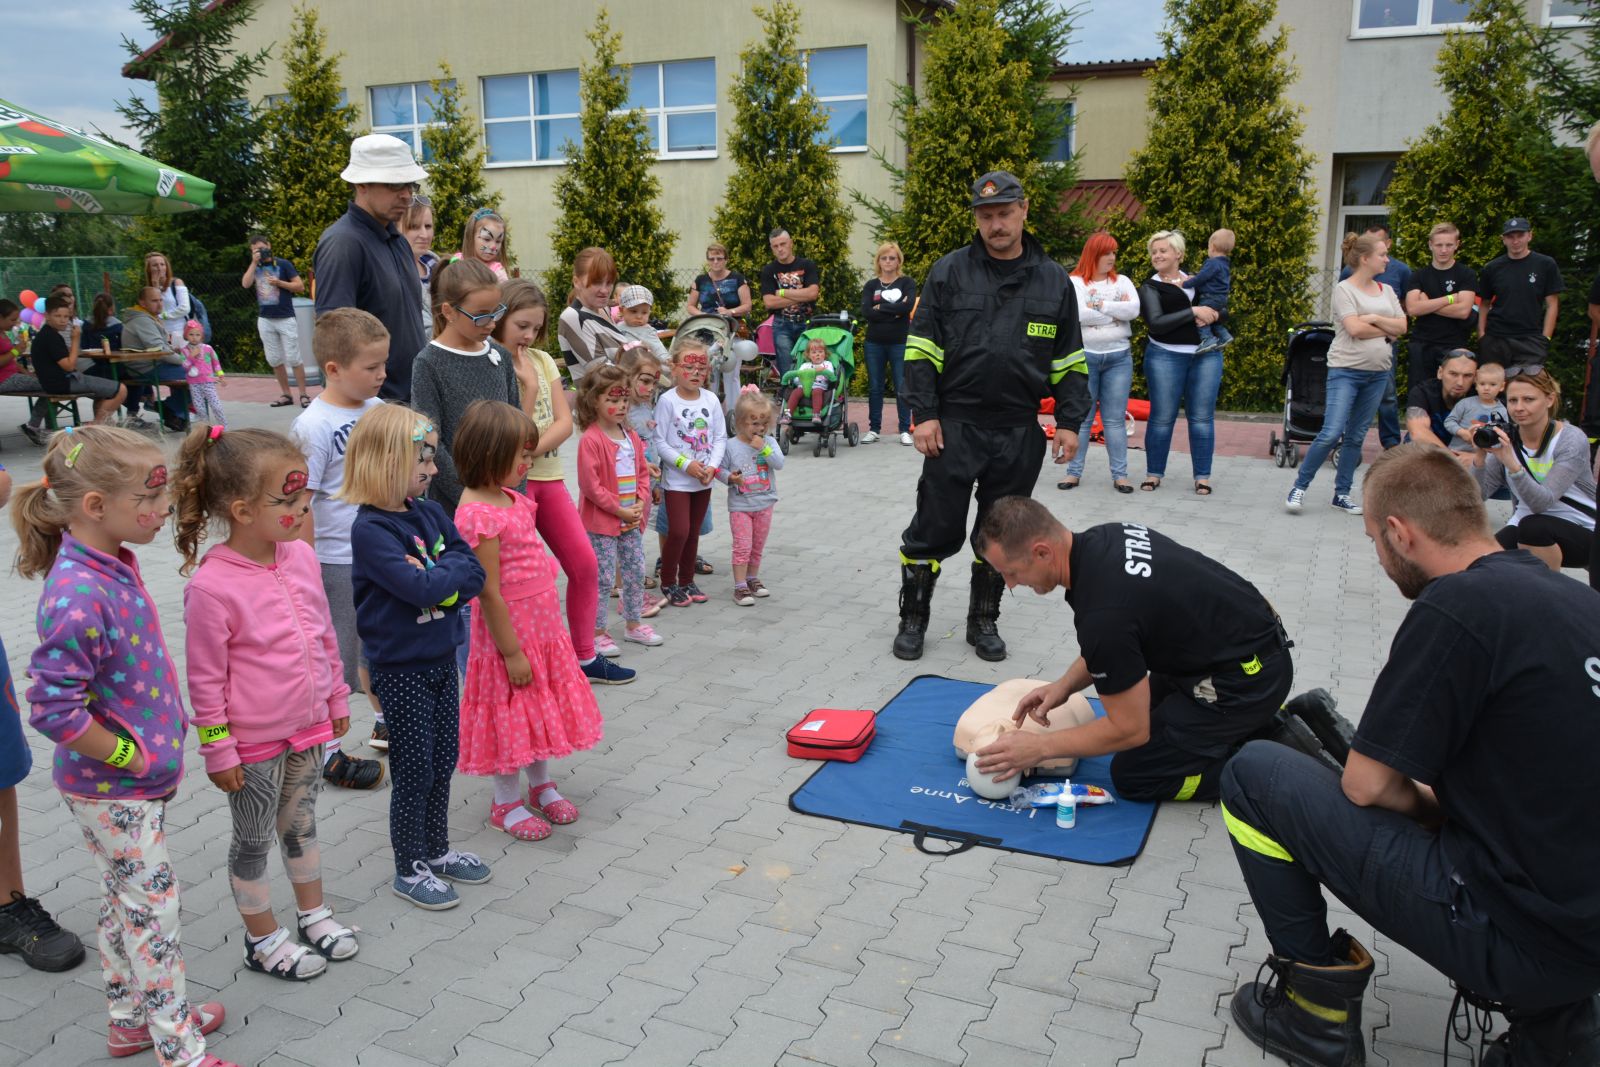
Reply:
x=1451, y=299
x=122, y=755
x=682, y=463
x=784, y=293
x=765, y=452
x=210, y=735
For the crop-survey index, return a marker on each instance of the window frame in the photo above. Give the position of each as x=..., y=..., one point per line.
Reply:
x=1559, y=21
x=415, y=128
x=530, y=119
x=1071, y=135
x=1424, y=27
x=864, y=97
x=1343, y=212
x=662, y=110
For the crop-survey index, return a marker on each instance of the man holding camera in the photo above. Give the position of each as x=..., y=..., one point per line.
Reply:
x=1462, y=826
x=277, y=283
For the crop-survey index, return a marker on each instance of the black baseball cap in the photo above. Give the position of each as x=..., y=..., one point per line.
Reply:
x=997, y=187
x=1516, y=225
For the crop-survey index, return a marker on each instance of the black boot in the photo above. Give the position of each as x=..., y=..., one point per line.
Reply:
x=1311, y=1016
x=983, y=611
x=1290, y=730
x=916, y=594
x=1319, y=710
x=1565, y=1037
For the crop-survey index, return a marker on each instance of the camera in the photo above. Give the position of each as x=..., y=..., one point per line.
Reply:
x=1484, y=436
x=264, y=256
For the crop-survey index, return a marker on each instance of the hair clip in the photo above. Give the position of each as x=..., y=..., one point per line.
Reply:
x=45, y=481
x=422, y=430
x=751, y=389
x=485, y=213
x=73, y=453
x=214, y=433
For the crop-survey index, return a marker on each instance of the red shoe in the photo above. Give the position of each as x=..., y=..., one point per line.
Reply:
x=132, y=1040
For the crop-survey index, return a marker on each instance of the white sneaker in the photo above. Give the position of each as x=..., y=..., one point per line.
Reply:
x=605, y=646
x=869, y=437
x=905, y=439
x=1297, y=499
x=643, y=634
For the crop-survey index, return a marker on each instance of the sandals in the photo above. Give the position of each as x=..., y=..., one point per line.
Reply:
x=561, y=812
x=282, y=402
x=1064, y=484
x=1122, y=487
x=533, y=828
x=283, y=958
x=305, y=401
x=1150, y=485
x=337, y=944
x=1202, y=488
x=703, y=567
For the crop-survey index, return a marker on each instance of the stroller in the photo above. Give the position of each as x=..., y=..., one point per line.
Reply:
x=1305, y=393
x=834, y=331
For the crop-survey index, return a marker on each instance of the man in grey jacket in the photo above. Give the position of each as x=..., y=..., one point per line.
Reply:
x=142, y=331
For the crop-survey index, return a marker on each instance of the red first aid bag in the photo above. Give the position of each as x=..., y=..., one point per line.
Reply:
x=832, y=733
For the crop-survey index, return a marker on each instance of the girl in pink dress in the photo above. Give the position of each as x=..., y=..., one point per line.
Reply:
x=526, y=701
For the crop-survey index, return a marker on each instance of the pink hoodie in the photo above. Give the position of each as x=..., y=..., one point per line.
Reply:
x=264, y=668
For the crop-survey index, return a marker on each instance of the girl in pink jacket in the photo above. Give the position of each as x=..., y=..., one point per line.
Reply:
x=265, y=680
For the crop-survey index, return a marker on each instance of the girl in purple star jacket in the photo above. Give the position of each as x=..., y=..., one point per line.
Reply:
x=104, y=689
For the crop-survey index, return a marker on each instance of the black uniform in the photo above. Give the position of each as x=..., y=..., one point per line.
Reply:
x=1515, y=291
x=1434, y=335
x=1492, y=696
x=990, y=338
x=1213, y=649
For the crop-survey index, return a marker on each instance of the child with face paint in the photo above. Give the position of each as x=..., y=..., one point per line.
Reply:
x=526, y=701
x=204, y=371
x=105, y=690
x=411, y=572
x=691, y=436
x=483, y=239
x=614, y=480
x=265, y=678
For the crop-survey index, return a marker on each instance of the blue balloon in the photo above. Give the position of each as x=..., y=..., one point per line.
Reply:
x=38, y=305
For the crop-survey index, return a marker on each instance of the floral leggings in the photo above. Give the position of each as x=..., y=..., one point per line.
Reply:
x=141, y=962
x=206, y=403
x=625, y=551
x=749, y=530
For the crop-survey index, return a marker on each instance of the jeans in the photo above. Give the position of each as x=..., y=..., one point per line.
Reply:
x=1353, y=397
x=785, y=332
x=1389, y=411
x=1192, y=379
x=1110, y=377
x=894, y=356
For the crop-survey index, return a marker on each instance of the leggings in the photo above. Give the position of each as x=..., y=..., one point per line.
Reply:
x=563, y=532
x=627, y=552
x=685, y=510
x=424, y=720
x=279, y=799
x=207, y=404
x=749, y=530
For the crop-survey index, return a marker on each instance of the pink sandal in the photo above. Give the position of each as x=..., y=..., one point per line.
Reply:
x=561, y=812
x=533, y=828
x=132, y=1040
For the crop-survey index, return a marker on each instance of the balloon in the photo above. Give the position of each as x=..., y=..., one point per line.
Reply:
x=27, y=297
x=38, y=305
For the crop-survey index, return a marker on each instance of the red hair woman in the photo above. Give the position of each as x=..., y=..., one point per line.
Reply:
x=1107, y=306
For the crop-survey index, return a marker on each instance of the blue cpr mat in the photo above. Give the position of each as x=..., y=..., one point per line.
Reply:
x=911, y=781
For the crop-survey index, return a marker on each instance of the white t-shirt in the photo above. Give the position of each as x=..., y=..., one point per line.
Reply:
x=694, y=429
x=322, y=431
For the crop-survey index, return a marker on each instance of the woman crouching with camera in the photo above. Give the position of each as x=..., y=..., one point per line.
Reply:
x=1545, y=464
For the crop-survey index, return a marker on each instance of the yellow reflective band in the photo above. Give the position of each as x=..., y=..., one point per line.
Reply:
x=909, y=562
x=1251, y=665
x=1190, y=784
x=922, y=348
x=1074, y=361
x=1254, y=839
x=1041, y=329
x=1321, y=1011
x=210, y=735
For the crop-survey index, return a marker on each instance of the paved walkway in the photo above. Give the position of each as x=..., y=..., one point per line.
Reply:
x=689, y=917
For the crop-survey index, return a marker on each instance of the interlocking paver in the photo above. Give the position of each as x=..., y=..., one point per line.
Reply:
x=800, y=990
x=433, y=1036
x=754, y=1037
x=847, y=1035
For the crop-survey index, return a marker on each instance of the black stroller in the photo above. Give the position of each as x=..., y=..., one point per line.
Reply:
x=1305, y=391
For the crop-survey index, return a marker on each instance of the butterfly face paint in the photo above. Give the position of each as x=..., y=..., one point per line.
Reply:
x=524, y=464
x=287, y=506
x=294, y=482
x=157, y=477
x=489, y=242
x=423, y=472
x=692, y=367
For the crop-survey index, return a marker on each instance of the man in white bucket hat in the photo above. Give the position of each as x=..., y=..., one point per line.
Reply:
x=363, y=261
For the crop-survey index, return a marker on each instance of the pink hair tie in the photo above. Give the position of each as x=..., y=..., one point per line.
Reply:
x=193, y=324
x=751, y=389
x=214, y=433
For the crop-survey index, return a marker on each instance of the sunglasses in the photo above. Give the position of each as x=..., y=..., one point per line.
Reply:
x=399, y=187
x=1529, y=371
x=420, y=200
x=487, y=318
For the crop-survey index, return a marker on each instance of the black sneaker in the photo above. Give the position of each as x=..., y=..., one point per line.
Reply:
x=351, y=773
x=29, y=931
x=380, y=736
x=34, y=434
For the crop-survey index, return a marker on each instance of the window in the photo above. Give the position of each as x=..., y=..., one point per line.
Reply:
x=1061, y=151
x=1565, y=12
x=403, y=111
x=1363, y=195
x=679, y=100
x=1378, y=18
x=529, y=118
x=838, y=79
x=274, y=99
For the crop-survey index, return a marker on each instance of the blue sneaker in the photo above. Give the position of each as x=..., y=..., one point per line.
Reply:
x=1346, y=505
x=463, y=867
x=425, y=890
x=1297, y=499
x=602, y=671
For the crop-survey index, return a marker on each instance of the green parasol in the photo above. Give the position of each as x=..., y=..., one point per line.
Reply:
x=45, y=166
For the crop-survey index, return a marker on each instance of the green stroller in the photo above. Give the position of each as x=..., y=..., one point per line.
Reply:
x=832, y=420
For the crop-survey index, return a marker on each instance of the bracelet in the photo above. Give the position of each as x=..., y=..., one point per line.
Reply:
x=1451, y=299
x=122, y=755
x=784, y=293
x=210, y=735
x=682, y=463
x=765, y=452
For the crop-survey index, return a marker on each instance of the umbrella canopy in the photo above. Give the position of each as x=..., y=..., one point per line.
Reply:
x=45, y=166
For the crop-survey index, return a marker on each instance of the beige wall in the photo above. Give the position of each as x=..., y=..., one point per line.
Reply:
x=1110, y=122
x=404, y=40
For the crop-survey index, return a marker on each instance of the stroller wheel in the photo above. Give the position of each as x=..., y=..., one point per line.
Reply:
x=816, y=447
x=1280, y=455
x=853, y=434
x=783, y=439
x=1294, y=455
x=1272, y=445
x=833, y=445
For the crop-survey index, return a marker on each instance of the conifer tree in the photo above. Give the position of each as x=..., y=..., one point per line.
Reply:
x=202, y=122
x=1223, y=150
x=784, y=174
x=608, y=193
x=454, y=156
x=305, y=143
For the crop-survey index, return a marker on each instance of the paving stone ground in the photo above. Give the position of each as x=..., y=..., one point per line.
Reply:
x=689, y=917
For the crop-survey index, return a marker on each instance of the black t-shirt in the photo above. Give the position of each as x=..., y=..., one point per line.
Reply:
x=1435, y=329
x=795, y=274
x=1143, y=603
x=1518, y=288
x=1428, y=395
x=1492, y=696
x=48, y=351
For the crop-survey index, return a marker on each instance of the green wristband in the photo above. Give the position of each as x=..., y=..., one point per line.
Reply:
x=122, y=755
x=210, y=735
x=682, y=463
x=765, y=452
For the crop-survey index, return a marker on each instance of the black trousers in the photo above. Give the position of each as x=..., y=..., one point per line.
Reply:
x=422, y=709
x=1196, y=725
x=1000, y=462
x=1294, y=832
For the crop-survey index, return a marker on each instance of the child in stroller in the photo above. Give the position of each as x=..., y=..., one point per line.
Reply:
x=812, y=379
x=825, y=361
